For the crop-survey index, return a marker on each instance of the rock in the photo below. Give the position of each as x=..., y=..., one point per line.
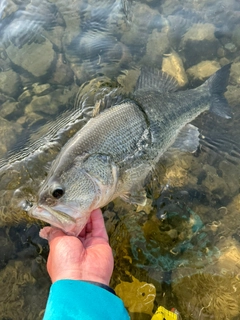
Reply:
x=9, y=132
x=5, y=63
x=55, y=35
x=230, y=47
x=144, y=18
x=9, y=83
x=8, y=8
x=81, y=72
x=157, y=46
x=9, y=109
x=34, y=58
x=62, y=96
x=173, y=65
x=63, y=73
x=202, y=71
x=25, y=97
x=213, y=182
x=128, y=80
x=235, y=72
x=230, y=175
x=236, y=36
x=32, y=119
x=41, y=105
x=41, y=89
x=199, y=43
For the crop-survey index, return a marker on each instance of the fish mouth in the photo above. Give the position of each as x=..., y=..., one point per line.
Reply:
x=61, y=217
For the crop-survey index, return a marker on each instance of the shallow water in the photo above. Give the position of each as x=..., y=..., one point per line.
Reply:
x=182, y=250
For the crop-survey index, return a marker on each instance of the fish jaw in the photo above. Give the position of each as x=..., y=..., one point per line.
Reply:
x=61, y=216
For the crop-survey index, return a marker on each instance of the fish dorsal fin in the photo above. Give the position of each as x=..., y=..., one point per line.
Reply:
x=156, y=79
x=187, y=139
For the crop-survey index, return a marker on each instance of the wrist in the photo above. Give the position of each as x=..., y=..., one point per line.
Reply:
x=101, y=285
x=76, y=275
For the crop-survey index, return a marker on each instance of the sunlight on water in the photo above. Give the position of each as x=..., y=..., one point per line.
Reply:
x=182, y=250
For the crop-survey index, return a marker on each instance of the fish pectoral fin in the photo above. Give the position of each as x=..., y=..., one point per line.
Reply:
x=138, y=197
x=187, y=139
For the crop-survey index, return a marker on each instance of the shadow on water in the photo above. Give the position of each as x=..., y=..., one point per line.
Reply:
x=182, y=249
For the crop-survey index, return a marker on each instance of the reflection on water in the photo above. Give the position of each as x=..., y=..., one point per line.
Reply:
x=182, y=250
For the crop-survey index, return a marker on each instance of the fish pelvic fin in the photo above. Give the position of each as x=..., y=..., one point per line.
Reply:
x=217, y=84
x=137, y=197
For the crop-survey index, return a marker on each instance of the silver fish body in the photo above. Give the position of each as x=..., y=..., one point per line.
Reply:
x=114, y=152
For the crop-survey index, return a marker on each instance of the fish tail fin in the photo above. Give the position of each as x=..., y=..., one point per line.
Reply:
x=217, y=85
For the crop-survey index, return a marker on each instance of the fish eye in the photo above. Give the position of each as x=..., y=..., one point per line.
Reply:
x=58, y=193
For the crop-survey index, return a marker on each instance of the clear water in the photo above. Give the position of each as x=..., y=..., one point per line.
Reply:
x=185, y=243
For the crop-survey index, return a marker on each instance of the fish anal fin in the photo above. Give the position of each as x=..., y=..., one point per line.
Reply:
x=187, y=139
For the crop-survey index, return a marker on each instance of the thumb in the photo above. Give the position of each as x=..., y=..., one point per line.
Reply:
x=50, y=233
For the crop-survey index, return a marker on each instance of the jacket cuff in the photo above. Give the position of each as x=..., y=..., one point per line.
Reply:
x=101, y=285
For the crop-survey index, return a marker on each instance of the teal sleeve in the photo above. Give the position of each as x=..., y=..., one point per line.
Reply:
x=75, y=300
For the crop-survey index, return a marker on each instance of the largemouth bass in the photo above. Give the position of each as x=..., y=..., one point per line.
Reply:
x=112, y=155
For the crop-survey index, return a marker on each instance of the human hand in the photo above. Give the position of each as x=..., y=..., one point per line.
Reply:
x=87, y=257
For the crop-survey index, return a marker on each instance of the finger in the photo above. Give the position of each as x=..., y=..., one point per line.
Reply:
x=98, y=225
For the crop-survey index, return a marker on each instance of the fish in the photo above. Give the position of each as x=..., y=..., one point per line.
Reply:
x=114, y=152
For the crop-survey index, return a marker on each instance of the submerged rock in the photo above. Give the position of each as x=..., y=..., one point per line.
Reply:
x=9, y=83
x=236, y=36
x=202, y=71
x=199, y=43
x=173, y=65
x=62, y=74
x=34, y=58
x=41, y=105
x=9, y=109
x=144, y=19
x=157, y=46
x=9, y=133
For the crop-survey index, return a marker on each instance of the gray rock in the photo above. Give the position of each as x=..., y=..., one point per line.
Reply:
x=9, y=83
x=199, y=43
x=34, y=58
